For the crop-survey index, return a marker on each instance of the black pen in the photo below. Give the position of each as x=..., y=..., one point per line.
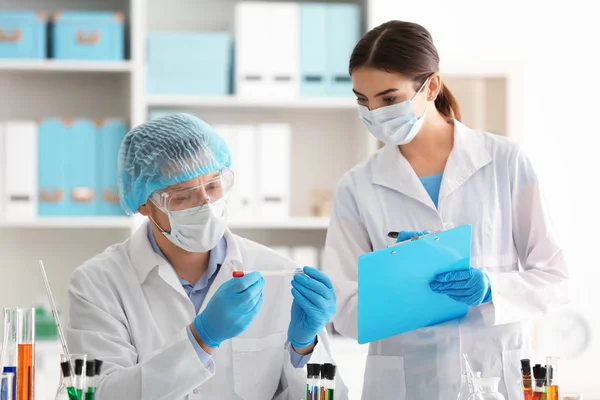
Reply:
x=394, y=235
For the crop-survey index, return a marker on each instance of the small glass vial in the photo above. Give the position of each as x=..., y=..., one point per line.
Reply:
x=67, y=388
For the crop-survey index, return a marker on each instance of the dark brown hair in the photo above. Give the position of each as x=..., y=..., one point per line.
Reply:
x=407, y=48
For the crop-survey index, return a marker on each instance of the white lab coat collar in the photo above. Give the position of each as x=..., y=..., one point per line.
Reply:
x=145, y=259
x=468, y=155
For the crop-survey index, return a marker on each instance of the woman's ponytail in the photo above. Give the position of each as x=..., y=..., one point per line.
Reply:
x=447, y=104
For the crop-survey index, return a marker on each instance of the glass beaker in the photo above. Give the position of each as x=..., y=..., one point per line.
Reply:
x=7, y=385
x=486, y=389
x=26, y=353
x=72, y=372
x=11, y=334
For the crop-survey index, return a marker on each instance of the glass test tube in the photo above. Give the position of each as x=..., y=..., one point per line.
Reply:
x=26, y=351
x=526, y=385
x=526, y=380
x=327, y=381
x=80, y=375
x=11, y=326
x=552, y=378
x=90, y=380
x=71, y=361
x=7, y=385
x=312, y=381
x=67, y=377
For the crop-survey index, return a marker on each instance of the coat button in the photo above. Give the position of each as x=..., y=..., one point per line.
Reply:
x=195, y=391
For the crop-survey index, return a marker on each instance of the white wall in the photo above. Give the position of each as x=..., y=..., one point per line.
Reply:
x=558, y=48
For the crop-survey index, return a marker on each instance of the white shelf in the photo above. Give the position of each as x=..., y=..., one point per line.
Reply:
x=71, y=222
x=65, y=66
x=343, y=103
x=291, y=223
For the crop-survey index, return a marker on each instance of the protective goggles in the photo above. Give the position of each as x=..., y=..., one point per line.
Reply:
x=206, y=192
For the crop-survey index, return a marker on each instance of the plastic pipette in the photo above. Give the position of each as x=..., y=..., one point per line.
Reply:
x=470, y=372
x=63, y=341
x=239, y=274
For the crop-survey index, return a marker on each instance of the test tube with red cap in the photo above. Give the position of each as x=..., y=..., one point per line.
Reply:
x=239, y=274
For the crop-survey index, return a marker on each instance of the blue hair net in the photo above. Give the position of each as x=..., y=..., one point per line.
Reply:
x=165, y=152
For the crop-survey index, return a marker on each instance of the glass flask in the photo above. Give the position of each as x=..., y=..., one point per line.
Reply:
x=72, y=371
x=486, y=389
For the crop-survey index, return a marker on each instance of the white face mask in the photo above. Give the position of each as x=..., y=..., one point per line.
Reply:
x=396, y=124
x=198, y=229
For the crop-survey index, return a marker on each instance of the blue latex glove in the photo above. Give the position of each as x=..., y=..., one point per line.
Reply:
x=471, y=287
x=405, y=235
x=230, y=310
x=313, y=307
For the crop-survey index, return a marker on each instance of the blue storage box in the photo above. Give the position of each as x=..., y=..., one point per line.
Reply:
x=23, y=35
x=88, y=35
x=189, y=63
x=52, y=167
x=82, y=174
x=110, y=135
x=343, y=34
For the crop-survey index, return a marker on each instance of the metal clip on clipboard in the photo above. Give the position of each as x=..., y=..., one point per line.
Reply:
x=394, y=235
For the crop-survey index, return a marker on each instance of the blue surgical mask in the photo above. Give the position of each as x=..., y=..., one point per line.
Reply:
x=396, y=124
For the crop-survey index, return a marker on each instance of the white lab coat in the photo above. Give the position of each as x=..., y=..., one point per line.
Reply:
x=128, y=308
x=489, y=183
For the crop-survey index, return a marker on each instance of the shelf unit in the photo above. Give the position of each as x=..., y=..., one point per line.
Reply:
x=327, y=137
x=65, y=66
x=131, y=223
x=183, y=101
x=67, y=222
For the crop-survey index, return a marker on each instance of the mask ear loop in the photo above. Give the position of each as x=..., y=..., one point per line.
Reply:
x=152, y=219
x=158, y=226
x=419, y=91
x=421, y=88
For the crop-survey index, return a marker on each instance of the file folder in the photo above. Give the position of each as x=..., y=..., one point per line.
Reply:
x=246, y=170
x=284, y=41
x=235, y=202
x=110, y=136
x=82, y=199
x=344, y=33
x=252, y=50
x=313, y=49
x=274, y=169
x=394, y=296
x=52, y=167
x=21, y=170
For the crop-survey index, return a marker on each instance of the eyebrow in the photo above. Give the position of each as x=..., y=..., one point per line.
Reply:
x=378, y=94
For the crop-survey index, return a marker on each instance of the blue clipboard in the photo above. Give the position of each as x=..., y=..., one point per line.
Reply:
x=394, y=296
